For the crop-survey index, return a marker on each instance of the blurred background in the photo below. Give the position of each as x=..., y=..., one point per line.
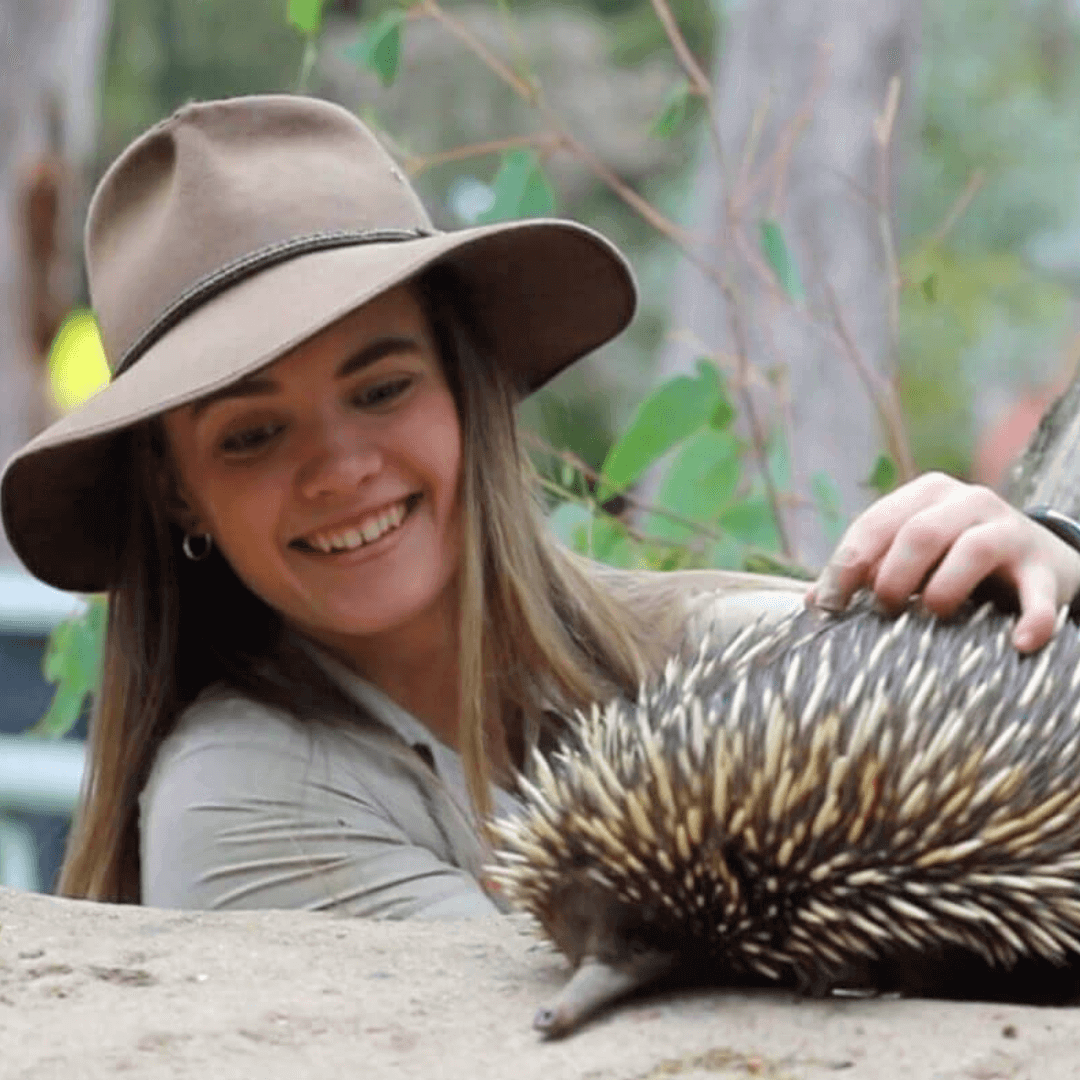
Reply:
x=863, y=216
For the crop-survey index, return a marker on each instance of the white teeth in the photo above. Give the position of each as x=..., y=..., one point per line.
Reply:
x=368, y=532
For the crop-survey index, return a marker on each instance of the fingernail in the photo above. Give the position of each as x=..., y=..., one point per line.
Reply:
x=826, y=594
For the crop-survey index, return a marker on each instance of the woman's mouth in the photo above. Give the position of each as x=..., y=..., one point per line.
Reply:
x=367, y=530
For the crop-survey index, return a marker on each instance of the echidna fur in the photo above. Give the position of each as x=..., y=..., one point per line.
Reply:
x=836, y=801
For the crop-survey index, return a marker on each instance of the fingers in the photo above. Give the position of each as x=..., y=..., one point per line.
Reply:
x=858, y=559
x=940, y=537
x=1038, y=589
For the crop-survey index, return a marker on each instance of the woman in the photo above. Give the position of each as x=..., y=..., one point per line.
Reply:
x=336, y=626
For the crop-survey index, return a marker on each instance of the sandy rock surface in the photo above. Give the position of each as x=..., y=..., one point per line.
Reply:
x=90, y=990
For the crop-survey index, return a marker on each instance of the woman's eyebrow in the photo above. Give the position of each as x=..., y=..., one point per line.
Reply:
x=255, y=385
x=376, y=350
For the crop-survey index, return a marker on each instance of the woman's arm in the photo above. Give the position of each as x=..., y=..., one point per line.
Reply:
x=942, y=537
x=247, y=808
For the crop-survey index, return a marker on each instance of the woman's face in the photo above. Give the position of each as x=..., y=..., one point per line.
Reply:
x=329, y=480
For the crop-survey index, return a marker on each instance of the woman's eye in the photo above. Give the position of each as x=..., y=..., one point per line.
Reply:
x=249, y=439
x=382, y=393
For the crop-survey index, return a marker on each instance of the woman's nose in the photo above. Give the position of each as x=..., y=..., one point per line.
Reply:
x=337, y=461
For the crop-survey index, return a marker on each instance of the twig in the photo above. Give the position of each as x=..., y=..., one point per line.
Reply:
x=757, y=124
x=619, y=186
x=704, y=531
x=701, y=85
x=781, y=159
x=883, y=133
x=416, y=164
x=699, y=81
x=558, y=134
x=959, y=208
x=880, y=391
x=525, y=90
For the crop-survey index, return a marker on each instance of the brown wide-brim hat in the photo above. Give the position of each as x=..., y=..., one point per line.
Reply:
x=228, y=234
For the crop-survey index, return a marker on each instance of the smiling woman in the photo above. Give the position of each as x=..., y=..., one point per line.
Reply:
x=337, y=627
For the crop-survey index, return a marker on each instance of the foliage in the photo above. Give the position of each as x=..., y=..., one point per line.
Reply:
x=999, y=99
x=73, y=662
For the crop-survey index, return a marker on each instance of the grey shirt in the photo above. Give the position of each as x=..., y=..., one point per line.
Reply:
x=248, y=807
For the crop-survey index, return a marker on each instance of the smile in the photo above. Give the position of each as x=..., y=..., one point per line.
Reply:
x=365, y=531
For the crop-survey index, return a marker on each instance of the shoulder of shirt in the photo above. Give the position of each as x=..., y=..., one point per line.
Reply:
x=223, y=716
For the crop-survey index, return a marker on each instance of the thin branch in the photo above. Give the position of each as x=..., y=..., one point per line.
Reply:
x=560, y=135
x=879, y=390
x=702, y=530
x=699, y=81
x=883, y=134
x=416, y=164
x=959, y=208
x=789, y=137
x=757, y=125
x=619, y=186
x=525, y=90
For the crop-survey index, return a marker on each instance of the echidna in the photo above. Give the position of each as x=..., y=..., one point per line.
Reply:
x=839, y=801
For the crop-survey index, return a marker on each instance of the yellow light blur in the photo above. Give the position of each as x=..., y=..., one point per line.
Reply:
x=77, y=367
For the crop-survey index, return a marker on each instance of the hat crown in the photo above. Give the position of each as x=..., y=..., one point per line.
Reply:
x=218, y=181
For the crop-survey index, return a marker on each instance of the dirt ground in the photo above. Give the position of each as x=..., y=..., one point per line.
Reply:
x=90, y=990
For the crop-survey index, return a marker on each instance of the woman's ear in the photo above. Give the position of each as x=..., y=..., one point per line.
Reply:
x=175, y=500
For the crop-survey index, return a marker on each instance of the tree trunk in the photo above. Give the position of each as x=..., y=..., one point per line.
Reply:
x=778, y=54
x=50, y=52
x=1048, y=473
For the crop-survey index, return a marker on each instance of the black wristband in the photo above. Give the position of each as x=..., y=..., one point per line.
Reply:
x=1064, y=528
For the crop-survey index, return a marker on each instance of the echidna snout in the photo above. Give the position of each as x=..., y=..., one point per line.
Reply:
x=597, y=983
x=616, y=948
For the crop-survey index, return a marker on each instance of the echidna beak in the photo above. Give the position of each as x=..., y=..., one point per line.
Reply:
x=594, y=985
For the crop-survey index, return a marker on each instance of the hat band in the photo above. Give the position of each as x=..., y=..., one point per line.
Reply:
x=250, y=263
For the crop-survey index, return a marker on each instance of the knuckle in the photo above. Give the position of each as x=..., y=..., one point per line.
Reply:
x=849, y=556
x=922, y=534
x=988, y=502
x=939, y=484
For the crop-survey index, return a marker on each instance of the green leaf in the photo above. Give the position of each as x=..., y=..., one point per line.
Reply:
x=698, y=485
x=609, y=542
x=884, y=475
x=929, y=288
x=379, y=50
x=570, y=521
x=724, y=413
x=568, y=476
x=827, y=501
x=305, y=15
x=779, y=463
x=779, y=258
x=671, y=413
x=521, y=189
x=73, y=662
x=751, y=522
x=681, y=107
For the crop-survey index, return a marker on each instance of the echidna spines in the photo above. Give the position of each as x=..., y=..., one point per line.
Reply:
x=754, y=832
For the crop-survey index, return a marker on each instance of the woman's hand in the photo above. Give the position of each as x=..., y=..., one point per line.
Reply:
x=941, y=537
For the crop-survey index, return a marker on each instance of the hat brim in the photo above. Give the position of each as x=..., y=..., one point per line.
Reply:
x=546, y=291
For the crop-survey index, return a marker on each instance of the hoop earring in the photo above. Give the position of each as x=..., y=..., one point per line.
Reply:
x=197, y=555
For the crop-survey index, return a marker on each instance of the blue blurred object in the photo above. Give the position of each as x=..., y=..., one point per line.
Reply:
x=38, y=778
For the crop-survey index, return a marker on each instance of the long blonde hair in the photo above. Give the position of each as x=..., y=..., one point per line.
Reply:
x=535, y=619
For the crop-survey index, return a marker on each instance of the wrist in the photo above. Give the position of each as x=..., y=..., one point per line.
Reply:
x=1065, y=529
x=1061, y=525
